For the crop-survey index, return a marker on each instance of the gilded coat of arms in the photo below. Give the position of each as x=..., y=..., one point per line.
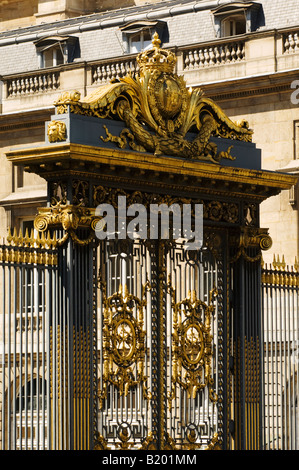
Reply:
x=162, y=116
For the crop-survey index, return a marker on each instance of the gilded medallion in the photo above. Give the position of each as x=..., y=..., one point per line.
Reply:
x=124, y=340
x=192, y=345
x=167, y=96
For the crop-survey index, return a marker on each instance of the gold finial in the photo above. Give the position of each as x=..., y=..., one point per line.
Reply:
x=277, y=264
x=156, y=41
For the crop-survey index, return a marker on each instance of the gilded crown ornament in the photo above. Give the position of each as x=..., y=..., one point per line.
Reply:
x=156, y=58
x=159, y=111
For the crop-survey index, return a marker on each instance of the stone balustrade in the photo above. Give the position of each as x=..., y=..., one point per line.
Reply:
x=291, y=42
x=197, y=62
x=36, y=82
x=110, y=70
x=210, y=55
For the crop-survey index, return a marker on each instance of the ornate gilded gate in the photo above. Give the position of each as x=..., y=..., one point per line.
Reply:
x=159, y=344
x=161, y=347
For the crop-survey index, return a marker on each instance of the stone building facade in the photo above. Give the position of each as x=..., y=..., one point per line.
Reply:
x=242, y=54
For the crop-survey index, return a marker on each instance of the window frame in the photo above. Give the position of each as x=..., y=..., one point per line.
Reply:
x=66, y=45
x=232, y=19
x=140, y=27
x=141, y=35
x=235, y=9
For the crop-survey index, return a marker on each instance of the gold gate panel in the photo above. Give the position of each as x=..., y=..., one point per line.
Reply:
x=129, y=390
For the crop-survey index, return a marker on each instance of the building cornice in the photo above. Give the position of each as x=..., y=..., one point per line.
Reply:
x=254, y=85
x=137, y=168
x=25, y=119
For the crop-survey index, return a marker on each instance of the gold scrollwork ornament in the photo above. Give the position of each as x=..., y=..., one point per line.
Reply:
x=247, y=238
x=192, y=345
x=123, y=342
x=158, y=111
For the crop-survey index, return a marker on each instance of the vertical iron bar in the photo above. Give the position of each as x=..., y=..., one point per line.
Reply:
x=47, y=365
x=9, y=361
x=14, y=390
x=32, y=309
x=3, y=343
x=21, y=306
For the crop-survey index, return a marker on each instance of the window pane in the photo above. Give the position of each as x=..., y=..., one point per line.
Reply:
x=240, y=27
x=234, y=25
x=147, y=40
x=59, y=57
x=48, y=58
x=140, y=41
x=135, y=46
x=53, y=57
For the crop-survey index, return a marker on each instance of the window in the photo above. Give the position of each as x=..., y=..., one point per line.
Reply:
x=140, y=42
x=18, y=177
x=31, y=415
x=27, y=225
x=137, y=36
x=236, y=18
x=56, y=50
x=233, y=25
x=32, y=396
x=52, y=57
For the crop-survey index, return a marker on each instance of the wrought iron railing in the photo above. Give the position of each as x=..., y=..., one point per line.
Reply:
x=280, y=294
x=31, y=351
x=28, y=268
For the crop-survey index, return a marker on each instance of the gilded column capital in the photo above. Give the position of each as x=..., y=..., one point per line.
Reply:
x=250, y=237
x=69, y=218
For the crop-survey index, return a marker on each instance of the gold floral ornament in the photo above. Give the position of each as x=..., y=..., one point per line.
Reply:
x=123, y=342
x=159, y=111
x=56, y=131
x=192, y=345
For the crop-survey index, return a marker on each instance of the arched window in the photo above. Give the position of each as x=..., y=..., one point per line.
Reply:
x=32, y=396
x=30, y=417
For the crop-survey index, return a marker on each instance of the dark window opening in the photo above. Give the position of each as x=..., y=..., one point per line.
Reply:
x=233, y=26
x=32, y=396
